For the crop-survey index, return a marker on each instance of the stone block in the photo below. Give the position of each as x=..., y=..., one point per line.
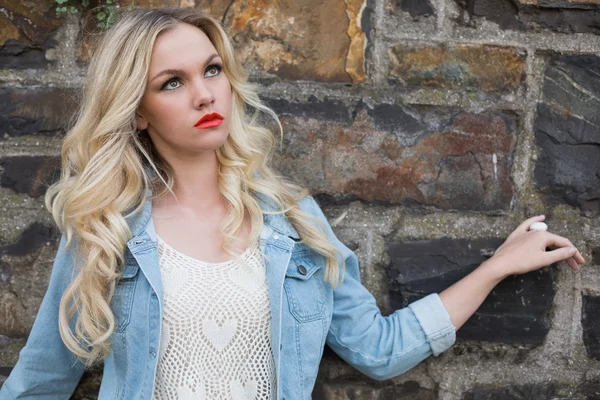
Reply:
x=516, y=311
x=29, y=174
x=590, y=321
x=569, y=16
x=515, y=392
x=31, y=240
x=596, y=256
x=25, y=268
x=26, y=29
x=309, y=40
x=567, y=132
x=92, y=32
x=416, y=18
x=344, y=391
x=34, y=111
x=399, y=155
x=9, y=354
x=590, y=389
x=458, y=66
x=416, y=8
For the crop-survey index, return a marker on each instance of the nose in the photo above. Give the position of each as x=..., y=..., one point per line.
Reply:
x=202, y=94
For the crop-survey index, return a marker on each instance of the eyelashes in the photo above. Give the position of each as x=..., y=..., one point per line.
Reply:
x=175, y=82
x=214, y=67
x=168, y=84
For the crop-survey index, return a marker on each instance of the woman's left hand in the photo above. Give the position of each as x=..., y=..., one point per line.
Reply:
x=525, y=250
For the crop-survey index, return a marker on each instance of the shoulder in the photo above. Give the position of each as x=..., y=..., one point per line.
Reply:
x=308, y=204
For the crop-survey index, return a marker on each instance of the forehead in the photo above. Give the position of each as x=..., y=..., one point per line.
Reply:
x=181, y=46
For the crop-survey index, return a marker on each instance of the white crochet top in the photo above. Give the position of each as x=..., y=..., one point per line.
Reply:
x=216, y=329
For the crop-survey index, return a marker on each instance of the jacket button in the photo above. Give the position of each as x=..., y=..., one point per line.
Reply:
x=302, y=269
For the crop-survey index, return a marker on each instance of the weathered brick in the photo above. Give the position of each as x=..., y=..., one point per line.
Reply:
x=416, y=8
x=36, y=111
x=25, y=268
x=26, y=29
x=313, y=108
x=596, y=256
x=558, y=15
x=457, y=66
x=590, y=321
x=91, y=32
x=289, y=40
x=31, y=240
x=590, y=389
x=568, y=134
x=311, y=40
x=9, y=354
x=343, y=391
x=400, y=155
x=517, y=309
x=514, y=392
x=28, y=174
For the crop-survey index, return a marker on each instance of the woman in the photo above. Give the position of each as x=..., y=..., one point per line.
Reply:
x=188, y=266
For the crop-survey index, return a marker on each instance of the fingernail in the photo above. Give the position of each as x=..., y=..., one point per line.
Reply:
x=572, y=250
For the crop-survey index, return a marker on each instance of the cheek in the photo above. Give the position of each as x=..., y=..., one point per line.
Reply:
x=224, y=89
x=164, y=111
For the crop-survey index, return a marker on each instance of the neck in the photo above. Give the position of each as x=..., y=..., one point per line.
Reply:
x=196, y=182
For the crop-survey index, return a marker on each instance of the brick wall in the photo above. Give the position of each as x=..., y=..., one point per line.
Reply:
x=432, y=127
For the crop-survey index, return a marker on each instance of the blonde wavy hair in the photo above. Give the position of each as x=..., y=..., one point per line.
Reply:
x=108, y=165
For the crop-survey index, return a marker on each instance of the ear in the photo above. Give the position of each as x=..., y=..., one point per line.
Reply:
x=141, y=121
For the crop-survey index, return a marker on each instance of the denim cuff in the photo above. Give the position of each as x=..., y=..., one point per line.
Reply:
x=435, y=322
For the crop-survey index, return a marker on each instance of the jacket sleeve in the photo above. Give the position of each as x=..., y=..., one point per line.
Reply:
x=379, y=346
x=46, y=368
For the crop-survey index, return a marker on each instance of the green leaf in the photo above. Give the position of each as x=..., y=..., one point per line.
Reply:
x=61, y=1
x=85, y=3
x=74, y=10
x=101, y=16
x=63, y=9
x=108, y=1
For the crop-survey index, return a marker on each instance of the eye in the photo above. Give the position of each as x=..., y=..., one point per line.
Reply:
x=213, y=70
x=171, y=84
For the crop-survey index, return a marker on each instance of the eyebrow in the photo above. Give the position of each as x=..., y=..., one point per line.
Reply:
x=179, y=71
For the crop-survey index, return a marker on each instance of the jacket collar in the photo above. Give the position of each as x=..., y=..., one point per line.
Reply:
x=274, y=218
x=139, y=219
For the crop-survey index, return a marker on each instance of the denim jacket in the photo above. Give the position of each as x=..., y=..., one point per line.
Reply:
x=306, y=314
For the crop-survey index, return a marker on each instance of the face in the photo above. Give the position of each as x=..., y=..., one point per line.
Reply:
x=186, y=107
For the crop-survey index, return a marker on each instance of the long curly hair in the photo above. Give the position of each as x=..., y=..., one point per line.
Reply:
x=108, y=166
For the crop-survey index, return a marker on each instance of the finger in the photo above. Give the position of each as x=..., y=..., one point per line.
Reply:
x=561, y=242
x=578, y=258
x=558, y=241
x=554, y=256
x=574, y=266
x=524, y=227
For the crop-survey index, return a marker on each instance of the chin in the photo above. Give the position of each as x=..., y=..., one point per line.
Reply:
x=210, y=142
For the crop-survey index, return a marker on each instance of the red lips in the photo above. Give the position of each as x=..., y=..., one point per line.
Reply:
x=209, y=121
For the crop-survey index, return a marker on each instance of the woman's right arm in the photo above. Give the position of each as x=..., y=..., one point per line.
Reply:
x=46, y=368
x=523, y=251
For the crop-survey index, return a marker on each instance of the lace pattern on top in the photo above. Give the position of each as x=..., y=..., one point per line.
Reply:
x=216, y=329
